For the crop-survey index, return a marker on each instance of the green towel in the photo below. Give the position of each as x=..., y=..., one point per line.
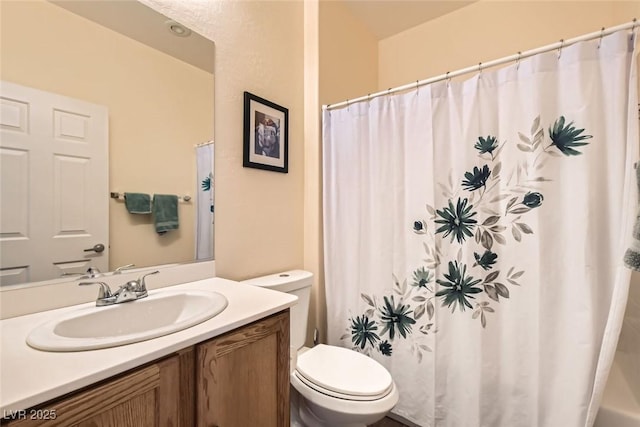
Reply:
x=632, y=256
x=165, y=212
x=137, y=203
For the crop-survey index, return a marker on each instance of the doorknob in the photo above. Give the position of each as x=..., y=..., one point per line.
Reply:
x=96, y=248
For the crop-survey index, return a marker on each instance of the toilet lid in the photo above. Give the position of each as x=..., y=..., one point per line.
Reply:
x=344, y=371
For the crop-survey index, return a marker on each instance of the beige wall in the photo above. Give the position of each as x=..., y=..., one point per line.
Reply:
x=489, y=30
x=340, y=62
x=348, y=55
x=312, y=168
x=159, y=108
x=259, y=49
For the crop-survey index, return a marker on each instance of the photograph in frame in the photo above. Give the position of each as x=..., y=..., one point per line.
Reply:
x=265, y=134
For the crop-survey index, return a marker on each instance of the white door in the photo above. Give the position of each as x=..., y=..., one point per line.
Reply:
x=53, y=185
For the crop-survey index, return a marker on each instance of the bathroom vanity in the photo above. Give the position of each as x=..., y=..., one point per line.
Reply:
x=231, y=370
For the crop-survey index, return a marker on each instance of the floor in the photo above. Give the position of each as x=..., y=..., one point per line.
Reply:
x=388, y=422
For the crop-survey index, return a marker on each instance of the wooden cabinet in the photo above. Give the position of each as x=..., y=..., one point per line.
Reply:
x=242, y=378
x=149, y=396
x=238, y=379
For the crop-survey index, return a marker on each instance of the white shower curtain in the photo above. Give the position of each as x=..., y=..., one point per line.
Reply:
x=204, y=200
x=474, y=235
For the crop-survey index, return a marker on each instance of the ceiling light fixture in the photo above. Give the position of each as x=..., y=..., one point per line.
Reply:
x=177, y=29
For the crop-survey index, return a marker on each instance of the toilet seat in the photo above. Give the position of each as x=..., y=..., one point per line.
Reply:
x=343, y=373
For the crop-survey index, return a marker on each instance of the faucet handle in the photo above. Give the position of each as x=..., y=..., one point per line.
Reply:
x=142, y=286
x=104, y=292
x=124, y=267
x=92, y=273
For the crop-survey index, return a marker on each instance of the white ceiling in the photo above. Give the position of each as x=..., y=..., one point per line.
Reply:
x=385, y=18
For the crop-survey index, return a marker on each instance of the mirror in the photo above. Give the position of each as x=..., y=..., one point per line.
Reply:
x=154, y=78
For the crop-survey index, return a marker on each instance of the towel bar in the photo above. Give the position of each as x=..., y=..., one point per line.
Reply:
x=115, y=195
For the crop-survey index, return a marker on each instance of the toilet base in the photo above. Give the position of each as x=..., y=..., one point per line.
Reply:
x=303, y=416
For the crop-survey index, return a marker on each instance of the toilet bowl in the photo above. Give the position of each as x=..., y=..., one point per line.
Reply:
x=340, y=387
x=330, y=386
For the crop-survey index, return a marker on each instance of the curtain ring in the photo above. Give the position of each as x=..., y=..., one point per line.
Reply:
x=518, y=61
x=480, y=67
x=560, y=48
x=417, y=88
x=601, y=36
x=347, y=104
x=448, y=78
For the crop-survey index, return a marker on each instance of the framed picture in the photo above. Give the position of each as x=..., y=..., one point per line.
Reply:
x=266, y=141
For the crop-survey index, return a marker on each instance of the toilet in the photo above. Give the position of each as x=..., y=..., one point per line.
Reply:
x=330, y=386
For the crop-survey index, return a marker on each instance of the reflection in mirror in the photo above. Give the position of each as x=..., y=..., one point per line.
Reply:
x=102, y=97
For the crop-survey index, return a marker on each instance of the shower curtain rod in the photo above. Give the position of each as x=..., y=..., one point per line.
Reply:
x=202, y=144
x=517, y=57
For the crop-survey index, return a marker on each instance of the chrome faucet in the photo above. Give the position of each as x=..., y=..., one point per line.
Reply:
x=130, y=291
x=139, y=287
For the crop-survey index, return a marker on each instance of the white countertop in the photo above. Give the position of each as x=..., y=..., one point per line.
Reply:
x=29, y=377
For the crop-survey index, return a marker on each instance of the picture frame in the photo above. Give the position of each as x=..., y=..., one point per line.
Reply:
x=266, y=134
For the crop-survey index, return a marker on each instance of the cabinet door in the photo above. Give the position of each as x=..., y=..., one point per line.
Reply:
x=149, y=396
x=242, y=377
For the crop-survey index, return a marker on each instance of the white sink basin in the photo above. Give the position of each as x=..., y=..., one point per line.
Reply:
x=161, y=313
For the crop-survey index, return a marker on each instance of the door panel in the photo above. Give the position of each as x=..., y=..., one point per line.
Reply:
x=54, y=178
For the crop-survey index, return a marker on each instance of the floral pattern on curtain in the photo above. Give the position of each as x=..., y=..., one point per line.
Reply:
x=383, y=321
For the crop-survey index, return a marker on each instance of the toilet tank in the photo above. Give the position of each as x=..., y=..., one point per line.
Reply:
x=295, y=282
